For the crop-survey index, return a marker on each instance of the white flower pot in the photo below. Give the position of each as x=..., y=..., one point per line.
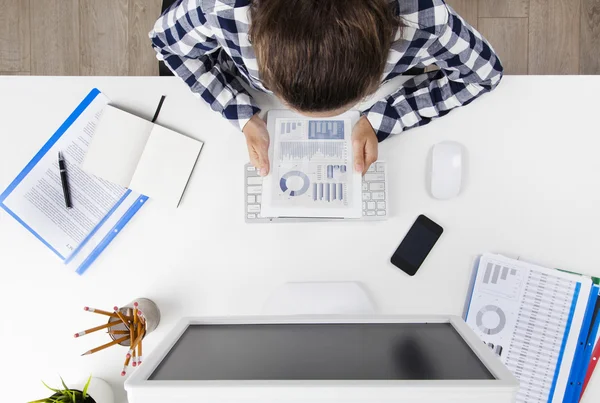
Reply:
x=99, y=390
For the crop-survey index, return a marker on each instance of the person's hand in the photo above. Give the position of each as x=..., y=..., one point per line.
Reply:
x=364, y=145
x=257, y=139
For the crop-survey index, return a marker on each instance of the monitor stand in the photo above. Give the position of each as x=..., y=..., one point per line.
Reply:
x=320, y=298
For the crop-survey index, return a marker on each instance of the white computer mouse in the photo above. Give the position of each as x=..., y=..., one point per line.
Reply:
x=446, y=170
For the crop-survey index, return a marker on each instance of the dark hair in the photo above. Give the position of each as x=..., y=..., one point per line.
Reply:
x=319, y=55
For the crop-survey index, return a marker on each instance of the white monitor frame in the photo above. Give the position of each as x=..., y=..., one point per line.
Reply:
x=140, y=389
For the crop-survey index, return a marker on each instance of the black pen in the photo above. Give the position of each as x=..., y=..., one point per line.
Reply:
x=63, y=180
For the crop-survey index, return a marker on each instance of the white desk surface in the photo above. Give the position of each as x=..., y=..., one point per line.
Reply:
x=532, y=191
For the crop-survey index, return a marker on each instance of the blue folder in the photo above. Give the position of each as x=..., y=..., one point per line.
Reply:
x=87, y=251
x=585, y=348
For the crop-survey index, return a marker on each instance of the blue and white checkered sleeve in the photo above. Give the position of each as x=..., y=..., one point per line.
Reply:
x=183, y=39
x=468, y=68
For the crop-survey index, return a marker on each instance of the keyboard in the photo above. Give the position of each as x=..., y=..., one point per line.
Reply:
x=374, y=196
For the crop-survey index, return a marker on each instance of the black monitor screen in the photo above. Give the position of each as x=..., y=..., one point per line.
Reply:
x=366, y=351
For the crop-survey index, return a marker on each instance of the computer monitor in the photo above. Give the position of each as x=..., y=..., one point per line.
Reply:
x=320, y=359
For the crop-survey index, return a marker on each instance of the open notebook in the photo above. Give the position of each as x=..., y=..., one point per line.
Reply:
x=142, y=156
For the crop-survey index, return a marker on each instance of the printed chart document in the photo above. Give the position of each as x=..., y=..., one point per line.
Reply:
x=100, y=208
x=312, y=170
x=135, y=153
x=531, y=317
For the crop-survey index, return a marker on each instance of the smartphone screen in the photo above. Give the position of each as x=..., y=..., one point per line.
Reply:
x=416, y=245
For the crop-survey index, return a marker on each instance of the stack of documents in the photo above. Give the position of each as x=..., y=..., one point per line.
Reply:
x=128, y=159
x=542, y=323
x=100, y=208
x=312, y=169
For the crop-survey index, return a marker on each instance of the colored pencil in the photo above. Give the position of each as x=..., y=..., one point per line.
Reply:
x=125, y=322
x=102, y=347
x=94, y=329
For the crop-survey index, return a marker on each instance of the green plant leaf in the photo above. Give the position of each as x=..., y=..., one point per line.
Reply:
x=85, y=388
x=65, y=386
x=39, y=401
x=52, y=389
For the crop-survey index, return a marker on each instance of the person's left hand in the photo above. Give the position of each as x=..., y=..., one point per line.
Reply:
x=364, y=145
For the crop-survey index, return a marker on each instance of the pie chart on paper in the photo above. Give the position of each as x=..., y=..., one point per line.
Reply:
x=491, y=319
x=294, y=182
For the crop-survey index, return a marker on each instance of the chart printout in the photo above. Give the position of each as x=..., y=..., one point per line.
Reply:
x=312, y=171
x=529, y=316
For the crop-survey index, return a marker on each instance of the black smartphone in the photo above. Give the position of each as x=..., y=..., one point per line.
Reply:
x=416, y=245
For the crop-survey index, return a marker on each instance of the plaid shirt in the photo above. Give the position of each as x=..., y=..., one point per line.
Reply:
x=205, y=42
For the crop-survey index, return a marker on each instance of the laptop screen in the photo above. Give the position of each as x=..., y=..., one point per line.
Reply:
x=361, y=351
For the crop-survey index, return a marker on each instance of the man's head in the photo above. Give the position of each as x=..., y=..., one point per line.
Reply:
x=322, y=56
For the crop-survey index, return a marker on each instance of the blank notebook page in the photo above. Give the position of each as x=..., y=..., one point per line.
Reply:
x=117, y=145
x=165, y=166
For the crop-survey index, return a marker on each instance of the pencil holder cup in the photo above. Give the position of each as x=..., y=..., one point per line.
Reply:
x=150, y=313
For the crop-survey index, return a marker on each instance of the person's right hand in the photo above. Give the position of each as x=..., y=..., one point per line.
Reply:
x=257, y=139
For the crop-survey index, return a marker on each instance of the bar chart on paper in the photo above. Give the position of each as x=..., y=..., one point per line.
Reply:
x=317, y=129
x=332, y=169
x=502, y=280
x=311, y=151
x=328, y=192
x=326, y=130
x=291, y=128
